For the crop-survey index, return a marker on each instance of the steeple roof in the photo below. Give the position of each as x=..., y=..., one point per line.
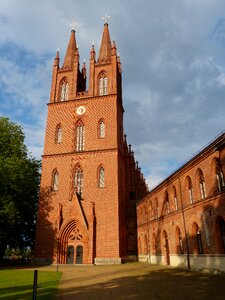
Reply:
x=105, y=49
x=70, y=52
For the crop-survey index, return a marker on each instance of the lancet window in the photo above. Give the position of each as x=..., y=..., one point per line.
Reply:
x=101, y=177
x=80, y=136
x=103, y=85
x=101, y=129
x=55, y=180
x=78, y=180
x=64, y=91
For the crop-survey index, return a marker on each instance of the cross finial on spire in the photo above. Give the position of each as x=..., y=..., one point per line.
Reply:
x=106, y=17
x=73, y=25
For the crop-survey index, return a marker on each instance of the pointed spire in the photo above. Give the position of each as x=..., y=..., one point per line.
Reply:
x=105, y=49
x=56, y=60
x=70, y=52
x=114, y=48
x=92, y=53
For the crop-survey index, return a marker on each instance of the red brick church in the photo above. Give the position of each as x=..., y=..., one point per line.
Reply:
x=90, y=181
x=94, y=204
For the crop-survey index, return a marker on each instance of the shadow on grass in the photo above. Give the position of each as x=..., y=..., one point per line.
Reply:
x=16, y=286
x=155, y=284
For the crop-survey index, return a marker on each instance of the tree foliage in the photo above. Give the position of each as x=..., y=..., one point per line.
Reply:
x=19, y=186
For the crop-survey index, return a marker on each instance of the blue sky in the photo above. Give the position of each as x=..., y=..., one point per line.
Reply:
x=173, y=60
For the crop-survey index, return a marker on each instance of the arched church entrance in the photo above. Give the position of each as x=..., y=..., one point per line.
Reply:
x=73, y=243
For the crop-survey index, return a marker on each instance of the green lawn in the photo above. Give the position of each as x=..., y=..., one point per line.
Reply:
x=18, y=284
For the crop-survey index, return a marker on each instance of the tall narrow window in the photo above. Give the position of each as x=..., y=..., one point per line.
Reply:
x=219, y=176
x=64, y=91
x=175, y=198
x=202, y=185
x=203, y=189
x=199, y=241
x=103, y=85
x=58, y=137
x=80, y=135
x=190, y=190
x=78, y=180
x=220, y=181
x=101, y=129
x=167, y=203
x=55, y=180
x=167, y=206
x=101, y=177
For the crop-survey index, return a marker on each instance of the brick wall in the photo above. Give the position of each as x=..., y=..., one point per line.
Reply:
x=195, y=221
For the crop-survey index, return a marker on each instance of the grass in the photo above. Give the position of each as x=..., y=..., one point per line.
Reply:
x=18, y=284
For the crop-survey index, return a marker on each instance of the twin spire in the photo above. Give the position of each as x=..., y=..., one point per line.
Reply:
x=71, y=51
x=105, y=49
x=105, y=52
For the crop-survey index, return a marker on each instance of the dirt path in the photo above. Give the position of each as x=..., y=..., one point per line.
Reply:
x=137, y=281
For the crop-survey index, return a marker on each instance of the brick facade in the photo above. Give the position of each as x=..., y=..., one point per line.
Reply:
x=91, y=186
x=90, y=181
x=181, y=222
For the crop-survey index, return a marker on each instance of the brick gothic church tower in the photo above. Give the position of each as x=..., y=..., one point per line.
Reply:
x=90, y=181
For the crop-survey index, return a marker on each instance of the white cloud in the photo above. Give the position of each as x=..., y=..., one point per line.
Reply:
x=172, y=56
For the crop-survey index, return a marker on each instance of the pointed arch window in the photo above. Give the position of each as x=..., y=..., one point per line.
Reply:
x=219, y=177
x=78, y=180
x=167, y=203
x=103, y=85
x=101, y=129
x=64, y=91
x=80, y=136
x=202, y=184
x=58, y=135
x=220, y=181
x=55, y=180
x=190, y=190
x=101, y=177
x=175, y=198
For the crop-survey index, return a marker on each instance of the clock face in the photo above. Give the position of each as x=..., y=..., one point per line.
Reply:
x=80, y=110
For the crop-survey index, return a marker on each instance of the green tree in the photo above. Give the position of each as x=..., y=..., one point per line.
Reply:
x=19, y=186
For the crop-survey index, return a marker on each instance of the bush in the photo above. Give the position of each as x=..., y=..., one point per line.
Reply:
x=17, y=256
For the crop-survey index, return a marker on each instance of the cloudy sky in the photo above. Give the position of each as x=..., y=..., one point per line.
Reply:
x=173, y=59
